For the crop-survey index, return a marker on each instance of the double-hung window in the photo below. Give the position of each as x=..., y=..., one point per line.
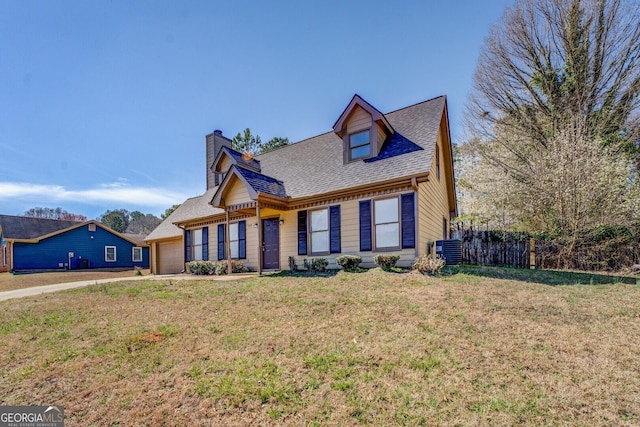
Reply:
x=197, y=245
x=319, y=230
x=359, y=145
x=136, y=254
x=110, y=254
x=234, y=240
x=387, y=223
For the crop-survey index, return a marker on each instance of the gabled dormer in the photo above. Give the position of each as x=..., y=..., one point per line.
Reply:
x=363, y=130
x=228, y=157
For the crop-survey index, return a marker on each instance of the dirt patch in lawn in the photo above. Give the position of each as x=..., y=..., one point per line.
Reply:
x=9, y=282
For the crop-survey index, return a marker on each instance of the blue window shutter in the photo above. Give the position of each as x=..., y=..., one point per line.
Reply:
x=205, y=243
x=242, y=239
x=220, y=241
x=365, y=225
x=302, y=232
x=408, y=215
x=334, y=229
x=187, y=246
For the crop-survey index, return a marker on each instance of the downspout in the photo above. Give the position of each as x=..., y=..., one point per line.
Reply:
x=227, y=243
x=416, y=215
x=259, y=240
x=184, y=249
x=11, y=255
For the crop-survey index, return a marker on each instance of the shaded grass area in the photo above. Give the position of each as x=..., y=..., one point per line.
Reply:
x=546, y=277
x=373, y=348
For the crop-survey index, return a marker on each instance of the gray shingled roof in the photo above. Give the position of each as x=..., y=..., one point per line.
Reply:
x=23, y=227
x=237, y=156
x=196, y=207
x=263, y=184
x=315, y=166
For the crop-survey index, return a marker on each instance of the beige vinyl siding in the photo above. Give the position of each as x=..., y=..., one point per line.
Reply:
x=349, y=236
x=360, y=119
x=433, y=204
x=224, y=163
x=251, y=260
x=381, y=137
x=237, y=193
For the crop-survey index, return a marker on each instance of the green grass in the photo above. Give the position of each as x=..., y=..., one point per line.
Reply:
x=474, y=346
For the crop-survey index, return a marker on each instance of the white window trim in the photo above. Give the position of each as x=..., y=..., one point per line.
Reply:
x=135, y=258
x=376, y=224
x=106, y=254
x=312, y=232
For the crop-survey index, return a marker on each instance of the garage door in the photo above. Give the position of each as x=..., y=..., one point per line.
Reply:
x=170, y=258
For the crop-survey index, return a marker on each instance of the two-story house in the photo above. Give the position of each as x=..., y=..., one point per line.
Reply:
x=376, y=183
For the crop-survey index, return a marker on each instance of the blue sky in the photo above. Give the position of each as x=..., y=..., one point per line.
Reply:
x=106, y=104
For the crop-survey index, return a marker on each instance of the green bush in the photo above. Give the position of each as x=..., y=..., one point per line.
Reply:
x=386, y=261
x=201, y=268
x=349, y=262
x=318, y=264
x=219, y=268
x=428, y=264
x=236, y=267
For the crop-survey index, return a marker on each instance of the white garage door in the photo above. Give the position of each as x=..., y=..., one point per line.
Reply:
x=170, y=258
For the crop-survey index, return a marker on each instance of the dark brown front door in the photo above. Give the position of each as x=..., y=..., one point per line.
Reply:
x=271, y=244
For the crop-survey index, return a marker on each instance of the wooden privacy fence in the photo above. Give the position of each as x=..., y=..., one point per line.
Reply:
x=493, y=247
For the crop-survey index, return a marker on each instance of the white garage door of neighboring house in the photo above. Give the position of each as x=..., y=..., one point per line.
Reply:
x=170, y=258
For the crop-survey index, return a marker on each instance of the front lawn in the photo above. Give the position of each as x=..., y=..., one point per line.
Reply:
x=372, y=348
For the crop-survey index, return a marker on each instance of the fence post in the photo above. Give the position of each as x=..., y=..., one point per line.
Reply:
x=532, y=254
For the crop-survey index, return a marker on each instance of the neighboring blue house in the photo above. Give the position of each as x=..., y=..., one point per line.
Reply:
x=80, y=246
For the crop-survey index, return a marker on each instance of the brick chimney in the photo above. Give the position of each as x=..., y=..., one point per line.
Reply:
x=215, y=142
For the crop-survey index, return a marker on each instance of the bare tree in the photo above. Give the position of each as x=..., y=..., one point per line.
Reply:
x=554, y=114
x=552, y=61
x=57, y=213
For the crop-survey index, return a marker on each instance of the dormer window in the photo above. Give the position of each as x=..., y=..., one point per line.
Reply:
x=363, y=130
x=359, y=145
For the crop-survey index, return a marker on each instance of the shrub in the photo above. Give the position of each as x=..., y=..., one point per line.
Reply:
x=201, y=268
x=218, y=268
x=236, y=267
x=428, y=264
x=386, y=261
x=318, y=264
x=349, y=262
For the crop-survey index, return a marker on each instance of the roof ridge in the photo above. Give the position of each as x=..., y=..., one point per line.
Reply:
x=417, y=103
x=35, y=217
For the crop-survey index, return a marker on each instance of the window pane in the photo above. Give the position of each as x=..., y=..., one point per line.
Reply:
x=233, y=231
x=197, y=236
x=386, y=211
x=360, y=138
x=235, y=246
x=387, y=236
x=320, y=220
x=320, y=242
x=197, y=253
x=360, y=152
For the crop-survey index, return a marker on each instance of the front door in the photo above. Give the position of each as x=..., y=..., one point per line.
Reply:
x=271, y=244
